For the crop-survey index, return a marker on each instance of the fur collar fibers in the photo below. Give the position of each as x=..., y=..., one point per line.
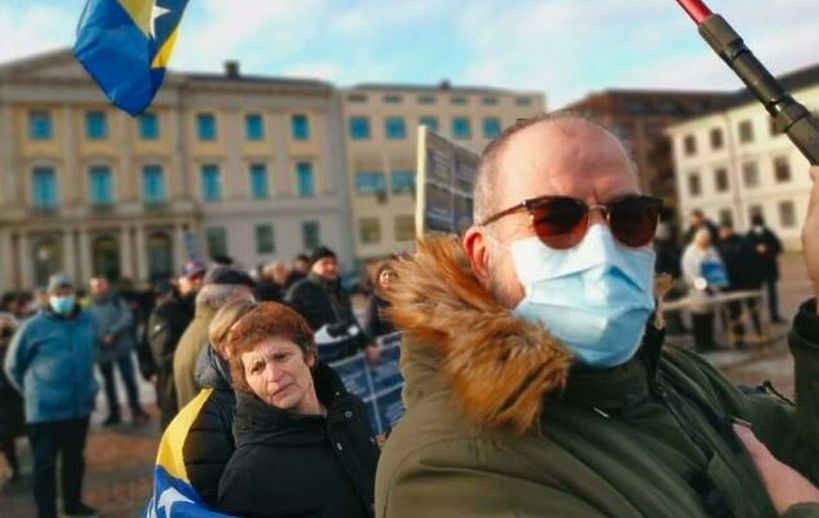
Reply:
x=498, y=367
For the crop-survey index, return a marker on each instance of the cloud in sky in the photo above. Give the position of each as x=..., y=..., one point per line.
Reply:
x=565, y=48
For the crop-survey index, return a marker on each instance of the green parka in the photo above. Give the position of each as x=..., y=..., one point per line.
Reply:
x=500, y=422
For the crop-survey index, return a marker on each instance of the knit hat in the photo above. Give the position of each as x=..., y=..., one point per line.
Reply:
x=228, y=275
x=320, y=253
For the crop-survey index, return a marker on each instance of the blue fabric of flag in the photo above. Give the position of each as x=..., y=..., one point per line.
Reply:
x=125, y=46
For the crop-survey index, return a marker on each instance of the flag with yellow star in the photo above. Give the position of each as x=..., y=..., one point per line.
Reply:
x=125, y=46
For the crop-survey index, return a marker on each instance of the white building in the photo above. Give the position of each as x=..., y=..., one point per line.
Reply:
x=732, y=163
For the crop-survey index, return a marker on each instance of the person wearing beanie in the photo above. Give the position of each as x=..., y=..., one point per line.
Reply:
x=326, y=307
x=51, y=363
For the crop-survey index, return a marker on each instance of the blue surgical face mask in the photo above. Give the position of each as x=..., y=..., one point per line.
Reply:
x=595, y=298
x=61, y=305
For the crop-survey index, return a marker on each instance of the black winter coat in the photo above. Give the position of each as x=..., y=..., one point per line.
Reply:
x=741, y=264
x=295, y=465
x=767, y=248
x=12, y=418
x=377, y=323
x=165, y=327
x=320, y=302
x=209, y=443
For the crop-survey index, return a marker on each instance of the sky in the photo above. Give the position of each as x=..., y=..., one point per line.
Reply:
x=563, y=48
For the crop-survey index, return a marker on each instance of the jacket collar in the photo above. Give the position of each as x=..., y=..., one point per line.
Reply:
x=498, y=369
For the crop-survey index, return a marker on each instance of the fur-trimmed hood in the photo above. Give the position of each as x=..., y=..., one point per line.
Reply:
x=457, y=338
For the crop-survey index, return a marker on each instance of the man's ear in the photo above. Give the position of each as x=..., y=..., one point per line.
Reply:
x=310, y=359
x=476, y=247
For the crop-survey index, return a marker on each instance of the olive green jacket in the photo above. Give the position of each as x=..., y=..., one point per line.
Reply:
x=499, y=422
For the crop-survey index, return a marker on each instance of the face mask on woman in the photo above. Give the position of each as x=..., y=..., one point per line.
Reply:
x=595, y=297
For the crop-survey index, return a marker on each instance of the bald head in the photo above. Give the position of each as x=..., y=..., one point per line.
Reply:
x=542, y=140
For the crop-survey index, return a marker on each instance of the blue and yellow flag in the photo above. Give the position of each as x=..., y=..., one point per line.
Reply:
x=125, y=45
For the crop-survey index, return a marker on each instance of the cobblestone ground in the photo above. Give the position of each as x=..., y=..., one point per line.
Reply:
x=120, y=459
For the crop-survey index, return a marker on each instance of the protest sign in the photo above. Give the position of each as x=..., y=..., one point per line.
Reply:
x=445, y=176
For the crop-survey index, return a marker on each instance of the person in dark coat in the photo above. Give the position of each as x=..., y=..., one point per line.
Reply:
x=165, y=327
x=272, y=282
x=743, y=275
x=696, y=221
x=767, y=248
x=299, y=270
x=12, y=420
x=303, y=443
x=321, y=301
x=377, y=323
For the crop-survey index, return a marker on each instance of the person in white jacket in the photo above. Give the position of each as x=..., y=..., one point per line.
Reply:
x=703, y=273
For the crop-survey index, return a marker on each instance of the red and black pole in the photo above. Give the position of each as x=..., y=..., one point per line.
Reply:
x=790, y=116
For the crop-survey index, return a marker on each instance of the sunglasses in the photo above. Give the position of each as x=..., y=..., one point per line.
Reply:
x=561, y=222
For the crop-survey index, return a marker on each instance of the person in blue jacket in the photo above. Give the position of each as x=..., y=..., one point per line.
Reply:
x=51, y=363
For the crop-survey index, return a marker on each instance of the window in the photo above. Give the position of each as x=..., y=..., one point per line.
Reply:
x=254, y=127
x=369, y=230
x=489, y=101
x=746, y=132
x=96, y=126
x=787, y=214
x=100, y=188
x=148, y=126
x=429, y=122
x=403, y=182
x=460, y=100
x=216, y=238
x=153, y=184
x=491, y=127
x=44, y=188
x=359, y=128
x=258, y=182
x=304, y=177
x=394, y=128
x=393, y=99
x=721, y=179
x=523, y=101
x=716, y=138
x=750, y=175
x=357, y=98
x=694, y=186
x=264, y=239
x=206, y=126
x=404, y=228
x=690, y=145
x=426, y=99
x=39, y=125
x=782, y=169
x=310, y=235
x=726, y=217
x=367, y=183
x=300, y=127
x=211, y=183
x=461, y=129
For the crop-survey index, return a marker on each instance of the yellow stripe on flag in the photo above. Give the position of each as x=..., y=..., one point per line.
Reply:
x=164, y=54
x=170, y=455
x=140, y=12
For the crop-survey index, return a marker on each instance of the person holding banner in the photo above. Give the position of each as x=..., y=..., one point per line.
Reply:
x=326, y=307
x=537, y=383
x=303, y=443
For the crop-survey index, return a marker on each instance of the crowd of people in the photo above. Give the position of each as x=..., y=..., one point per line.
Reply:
x=716, y=259
x=537, y=381
x=51, y=341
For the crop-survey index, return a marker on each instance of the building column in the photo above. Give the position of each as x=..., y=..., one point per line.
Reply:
x=26, y=261
x=141, y=255
x=70, y=181
x=126, y=254
x=85, y=257
x=7, y=281
x=69, y=265
x=14, y=196
x=179, y=247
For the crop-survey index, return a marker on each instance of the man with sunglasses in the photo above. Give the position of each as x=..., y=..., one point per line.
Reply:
x=537, y=382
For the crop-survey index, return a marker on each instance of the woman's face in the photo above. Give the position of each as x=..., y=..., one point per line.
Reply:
x=384, y=279
x=278, y=372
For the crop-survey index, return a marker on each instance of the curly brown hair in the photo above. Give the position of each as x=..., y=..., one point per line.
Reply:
x=254, y=323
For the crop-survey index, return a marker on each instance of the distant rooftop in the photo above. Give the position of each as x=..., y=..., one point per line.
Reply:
x=443, y=86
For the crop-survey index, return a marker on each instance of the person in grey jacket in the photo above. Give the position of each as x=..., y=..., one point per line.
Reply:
x=51, y=362
x=115, y=343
